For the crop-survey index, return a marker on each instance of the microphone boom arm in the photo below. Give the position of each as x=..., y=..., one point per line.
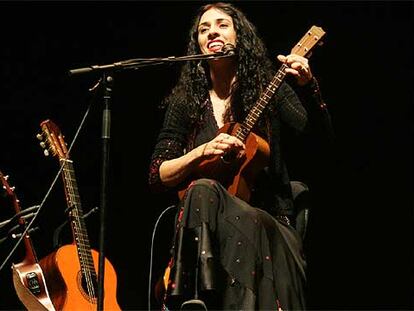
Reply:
x=136, y=63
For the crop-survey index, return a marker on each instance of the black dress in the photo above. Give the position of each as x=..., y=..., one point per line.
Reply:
x=249, y=256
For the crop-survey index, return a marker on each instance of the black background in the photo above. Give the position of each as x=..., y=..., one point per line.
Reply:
x=359, y=243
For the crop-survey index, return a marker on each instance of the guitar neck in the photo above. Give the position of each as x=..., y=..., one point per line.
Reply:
x=255, y=113
x=303, y=48
x=79, y=230
x=30, y=254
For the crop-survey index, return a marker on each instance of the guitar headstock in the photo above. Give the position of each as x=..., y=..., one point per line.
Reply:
x=52, y=140
x=312, y=37
x=9, y=191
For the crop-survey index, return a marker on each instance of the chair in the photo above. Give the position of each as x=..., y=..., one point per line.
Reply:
x=301, y=202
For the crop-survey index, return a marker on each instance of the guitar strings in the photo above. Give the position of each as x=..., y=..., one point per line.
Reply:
x=80, y=238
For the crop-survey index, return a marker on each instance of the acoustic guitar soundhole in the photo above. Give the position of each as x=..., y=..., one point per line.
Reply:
x=88, y=287
x=229, y=157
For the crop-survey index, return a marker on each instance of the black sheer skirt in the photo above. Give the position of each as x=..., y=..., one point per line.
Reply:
x=233, y=256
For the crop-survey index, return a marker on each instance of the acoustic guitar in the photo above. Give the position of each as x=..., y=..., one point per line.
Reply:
x=71, y=270
x=28, y=278
x=236, y=174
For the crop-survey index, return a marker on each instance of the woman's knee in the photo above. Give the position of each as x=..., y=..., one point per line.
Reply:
x=201, y=201
x=204, y=182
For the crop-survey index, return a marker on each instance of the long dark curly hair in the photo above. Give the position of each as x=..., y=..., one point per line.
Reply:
x=254, y=69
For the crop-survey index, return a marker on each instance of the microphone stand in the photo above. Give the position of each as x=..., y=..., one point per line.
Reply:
x=106, y=82
x=106, y=135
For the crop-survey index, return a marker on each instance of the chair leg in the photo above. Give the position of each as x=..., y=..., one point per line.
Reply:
x=301, y=201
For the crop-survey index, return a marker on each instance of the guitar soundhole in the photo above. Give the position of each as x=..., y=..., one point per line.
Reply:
x=229, y=157
x=88, y=287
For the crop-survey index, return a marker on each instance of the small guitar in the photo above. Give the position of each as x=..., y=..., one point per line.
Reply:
x=72, y=268
x=28, y=278
x=238, y=174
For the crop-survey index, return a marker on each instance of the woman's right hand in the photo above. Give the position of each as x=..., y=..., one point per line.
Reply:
x=174, y=171
x=221, y=144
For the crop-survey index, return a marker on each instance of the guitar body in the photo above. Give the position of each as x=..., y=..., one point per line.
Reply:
x=30, y=286
x=63, y=275
x=237, y=174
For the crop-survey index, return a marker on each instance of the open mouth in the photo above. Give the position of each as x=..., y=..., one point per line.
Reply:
x=215, y=45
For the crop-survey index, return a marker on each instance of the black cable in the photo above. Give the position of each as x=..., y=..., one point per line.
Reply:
x=152, y=249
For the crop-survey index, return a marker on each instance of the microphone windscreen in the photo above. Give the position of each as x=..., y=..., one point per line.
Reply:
x=228, y=49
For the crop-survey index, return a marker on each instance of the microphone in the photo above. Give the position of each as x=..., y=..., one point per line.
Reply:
x=228, y=49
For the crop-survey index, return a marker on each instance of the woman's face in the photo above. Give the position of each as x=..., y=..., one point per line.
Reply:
x=214, y=30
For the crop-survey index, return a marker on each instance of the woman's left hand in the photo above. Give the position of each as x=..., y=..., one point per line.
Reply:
x=298, y=66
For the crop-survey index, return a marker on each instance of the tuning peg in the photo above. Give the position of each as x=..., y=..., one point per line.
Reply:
x=12, y=188
x=39, y=136
x=42, y=144
x=46, y=152
x=6, y=177
x=320, y=43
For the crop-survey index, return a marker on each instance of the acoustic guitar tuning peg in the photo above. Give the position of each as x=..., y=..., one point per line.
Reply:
x=6, y=177
x=320, y=43
x=46, y=152
x=42, y=144
x=39, y=136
